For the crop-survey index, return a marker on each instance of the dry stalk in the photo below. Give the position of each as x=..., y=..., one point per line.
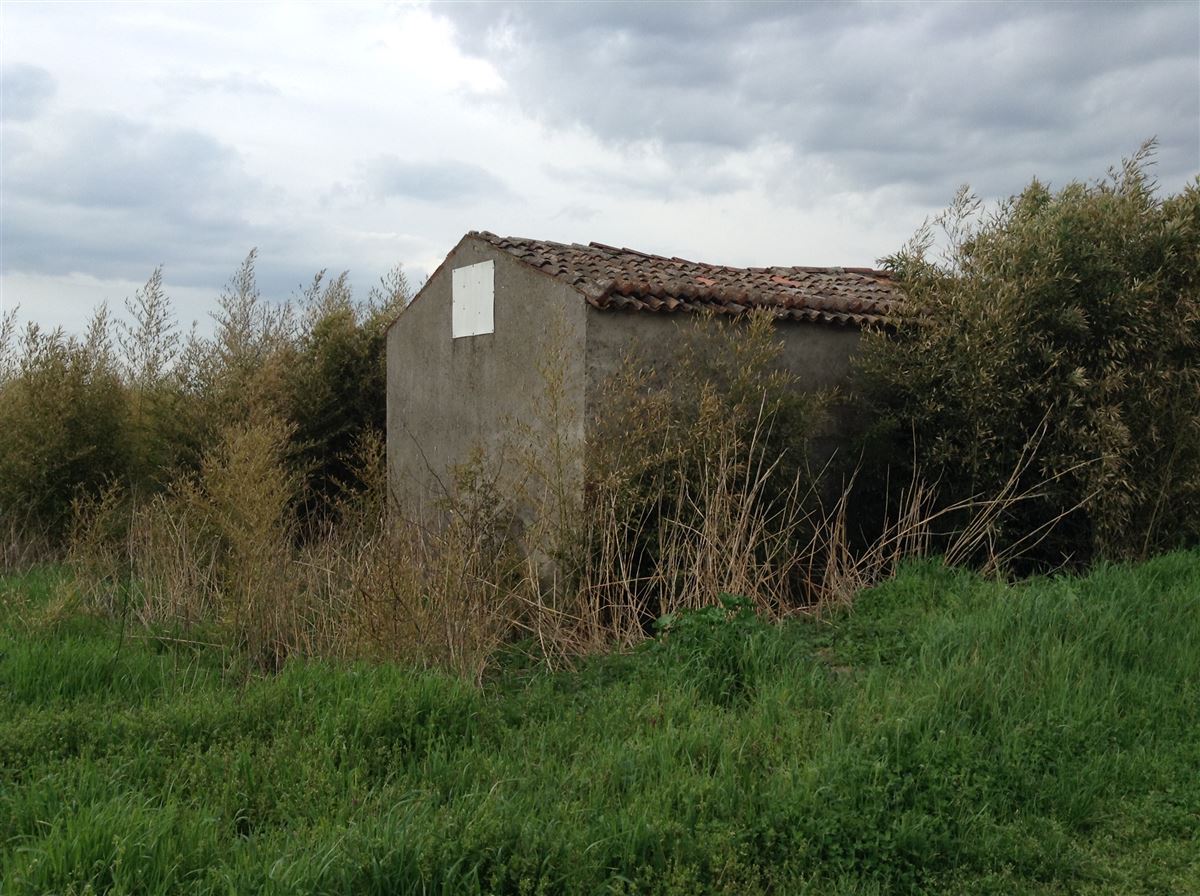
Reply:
x=838, y=571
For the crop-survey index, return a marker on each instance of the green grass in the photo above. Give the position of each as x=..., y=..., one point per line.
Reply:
x=946, y=735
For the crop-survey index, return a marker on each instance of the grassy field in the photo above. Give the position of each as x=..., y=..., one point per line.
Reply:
x=946, y=735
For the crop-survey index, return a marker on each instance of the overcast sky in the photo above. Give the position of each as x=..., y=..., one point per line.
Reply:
x=360, y=136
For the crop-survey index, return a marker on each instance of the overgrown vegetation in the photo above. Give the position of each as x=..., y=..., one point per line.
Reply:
x=699, y=478
x=946, y=734
x=1037, y=402
x=136, y=406
x=706, y=673
x=1060, y=336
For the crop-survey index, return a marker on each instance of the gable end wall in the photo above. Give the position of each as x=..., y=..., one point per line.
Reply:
x=446, y=397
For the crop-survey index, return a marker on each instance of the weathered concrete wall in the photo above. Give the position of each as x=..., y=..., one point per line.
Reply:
x=817, y=354
x=448, y=396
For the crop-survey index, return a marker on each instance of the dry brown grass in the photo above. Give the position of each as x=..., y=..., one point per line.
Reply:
x=216, y=550
x=24, y=542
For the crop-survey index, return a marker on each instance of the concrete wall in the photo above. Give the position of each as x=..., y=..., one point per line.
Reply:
x=817, y=354
x=447, y=396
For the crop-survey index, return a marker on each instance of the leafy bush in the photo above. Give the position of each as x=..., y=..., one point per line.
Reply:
x=337, y=382
x=1058, y=340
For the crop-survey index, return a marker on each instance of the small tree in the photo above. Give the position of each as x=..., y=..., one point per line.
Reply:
x=1059, y=335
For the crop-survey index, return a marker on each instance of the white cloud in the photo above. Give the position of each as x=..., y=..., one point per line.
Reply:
x=70, y=300
x=357, y=136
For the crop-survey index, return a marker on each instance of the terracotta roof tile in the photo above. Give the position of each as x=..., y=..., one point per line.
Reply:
x=629, y=280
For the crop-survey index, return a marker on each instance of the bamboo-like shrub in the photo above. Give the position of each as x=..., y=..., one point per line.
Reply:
x=1062, y=325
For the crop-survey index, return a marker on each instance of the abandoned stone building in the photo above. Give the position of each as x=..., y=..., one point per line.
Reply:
x=467, y=359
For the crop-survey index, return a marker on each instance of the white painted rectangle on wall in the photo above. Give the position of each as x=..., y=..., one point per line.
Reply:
x=473, y=300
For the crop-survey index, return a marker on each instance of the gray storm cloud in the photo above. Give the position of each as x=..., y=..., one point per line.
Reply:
x=25, y=90
x=429, y=181
x=734, y=129
x=111, y=195
x=918, y=96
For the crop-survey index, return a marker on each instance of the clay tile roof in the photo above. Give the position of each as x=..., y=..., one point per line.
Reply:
x=628, y=280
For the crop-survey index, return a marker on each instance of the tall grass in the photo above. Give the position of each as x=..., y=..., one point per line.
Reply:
x=945, y=734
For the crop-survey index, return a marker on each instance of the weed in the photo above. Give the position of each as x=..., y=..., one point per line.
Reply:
x=719, y=644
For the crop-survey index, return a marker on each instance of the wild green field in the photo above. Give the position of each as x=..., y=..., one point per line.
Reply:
x=946, y=735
